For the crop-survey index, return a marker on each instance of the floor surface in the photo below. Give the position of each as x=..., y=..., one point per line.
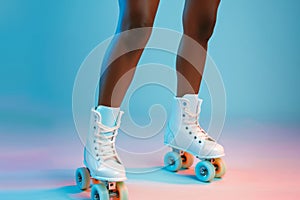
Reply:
x=262, y=163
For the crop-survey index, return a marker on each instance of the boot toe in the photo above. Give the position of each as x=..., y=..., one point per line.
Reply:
x=111, y=171
x=212, y=150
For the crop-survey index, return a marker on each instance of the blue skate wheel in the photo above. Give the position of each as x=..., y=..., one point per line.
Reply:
x=99, y=192
x=122, y=191
x=172, y=161
x=205, y=171
x=82, y=176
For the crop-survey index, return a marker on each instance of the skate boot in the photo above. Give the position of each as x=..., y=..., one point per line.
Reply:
x=187, y=139
x=103, y=166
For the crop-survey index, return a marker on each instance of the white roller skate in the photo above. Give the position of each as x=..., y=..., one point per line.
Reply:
x=187, y=139
x=103, y=166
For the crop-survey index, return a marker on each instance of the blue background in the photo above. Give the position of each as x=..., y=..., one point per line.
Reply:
x=43, y=43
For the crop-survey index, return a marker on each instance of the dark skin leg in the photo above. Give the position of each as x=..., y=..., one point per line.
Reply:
x=199, y=18
x=133, y=14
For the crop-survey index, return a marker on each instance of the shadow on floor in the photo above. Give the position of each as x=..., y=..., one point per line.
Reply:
x=164, y=176
x=61, y=193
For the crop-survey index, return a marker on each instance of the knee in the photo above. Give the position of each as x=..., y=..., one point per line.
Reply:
x=200, y=29
x=137, y=27
x=136, y=20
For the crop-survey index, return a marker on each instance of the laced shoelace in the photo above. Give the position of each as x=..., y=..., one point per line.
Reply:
x=105, y=137
x=193, y=122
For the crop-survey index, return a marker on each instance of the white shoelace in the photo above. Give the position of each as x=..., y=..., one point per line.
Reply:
x=105, y=137
x=193, y=123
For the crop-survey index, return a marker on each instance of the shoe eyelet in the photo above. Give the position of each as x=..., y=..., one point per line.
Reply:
x=94, y=141
x=199, y=141
x=94, y=127
x=95, y=148
x=184, y=103
x=97, y=155
x=190, y=132
x=186, y=128
x=195, y=137
x=183, y=115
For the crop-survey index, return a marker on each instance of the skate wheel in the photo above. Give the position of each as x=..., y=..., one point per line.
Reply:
x=220, y=167
x=187, y=160
x=172, y=161
x=82, y=176
x=122, y=190
x=205, y=171
x=99, y=192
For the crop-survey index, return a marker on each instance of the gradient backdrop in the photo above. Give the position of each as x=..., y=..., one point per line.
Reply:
x=43, y=43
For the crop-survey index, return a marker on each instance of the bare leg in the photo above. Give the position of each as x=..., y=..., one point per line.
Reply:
x=199, y=19
x=133, y=14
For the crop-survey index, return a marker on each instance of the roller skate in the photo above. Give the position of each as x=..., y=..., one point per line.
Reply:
x=187, y=139
x=103, y=168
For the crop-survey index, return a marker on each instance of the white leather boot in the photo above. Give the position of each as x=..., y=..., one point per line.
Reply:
x=184, y=132
x=188, y=139
x=100, y=155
